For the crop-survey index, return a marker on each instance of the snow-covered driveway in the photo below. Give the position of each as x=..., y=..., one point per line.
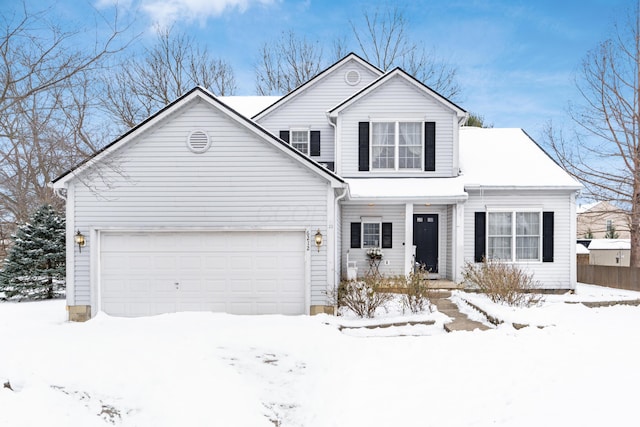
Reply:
x=204, y=369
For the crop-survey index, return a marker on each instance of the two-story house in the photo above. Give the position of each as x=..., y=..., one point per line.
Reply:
x=246, y=206
x=602, y=220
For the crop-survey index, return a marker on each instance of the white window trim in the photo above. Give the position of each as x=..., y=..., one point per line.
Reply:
x=305, y=130
x=514, y=237
x=396, y=145
x=371, y=221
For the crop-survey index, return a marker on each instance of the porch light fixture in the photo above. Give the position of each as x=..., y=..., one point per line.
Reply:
x=318, y=239
x=80, y=241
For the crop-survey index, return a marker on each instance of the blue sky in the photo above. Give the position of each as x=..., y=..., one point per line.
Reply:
x=516, y=60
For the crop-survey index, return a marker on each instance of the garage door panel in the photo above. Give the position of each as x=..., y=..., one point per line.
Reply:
x=238, y=272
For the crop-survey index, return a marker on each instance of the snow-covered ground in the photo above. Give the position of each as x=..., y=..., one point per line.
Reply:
x=205, y=369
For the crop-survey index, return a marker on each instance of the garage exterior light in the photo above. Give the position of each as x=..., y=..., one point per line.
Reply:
x=318, y=239
x=80, y=241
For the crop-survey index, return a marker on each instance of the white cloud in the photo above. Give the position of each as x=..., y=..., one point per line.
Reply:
x=165, y=12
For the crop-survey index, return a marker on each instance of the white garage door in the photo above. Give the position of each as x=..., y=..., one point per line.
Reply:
x=258, y=272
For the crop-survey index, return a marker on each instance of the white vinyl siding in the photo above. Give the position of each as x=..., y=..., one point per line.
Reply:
x=448, y=250
x=241, y=182
x=398, y=100
x=552, y=275
x=308, y=108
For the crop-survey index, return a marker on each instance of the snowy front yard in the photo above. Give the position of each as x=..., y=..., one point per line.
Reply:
x=204, y=369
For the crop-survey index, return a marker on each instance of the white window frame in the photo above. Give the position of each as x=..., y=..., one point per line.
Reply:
x=307, y=143
x=396, y=145
x=375, y=221
x=514, y=236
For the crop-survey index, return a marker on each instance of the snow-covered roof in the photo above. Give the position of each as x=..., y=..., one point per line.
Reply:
x=489, y=158
x=610, y=244
x=581, y=249
x=508, y=158
x=433, y=189
x=249, y=106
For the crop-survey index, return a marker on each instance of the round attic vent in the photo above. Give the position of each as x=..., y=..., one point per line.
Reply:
x=352, y=77
x=198, y=141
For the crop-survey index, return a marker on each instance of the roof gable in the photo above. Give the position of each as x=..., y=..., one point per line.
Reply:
x=206, y=96
x=316, y=80
x=384, y=79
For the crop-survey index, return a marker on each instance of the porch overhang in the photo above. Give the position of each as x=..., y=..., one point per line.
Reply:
x=406, y=190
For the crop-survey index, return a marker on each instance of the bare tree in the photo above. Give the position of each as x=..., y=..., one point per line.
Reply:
x=287, y=63
x=604, y=151
x=166, y=70
x=42, y=70
x=384, y=41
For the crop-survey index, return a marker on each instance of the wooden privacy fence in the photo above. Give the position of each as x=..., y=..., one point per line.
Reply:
x=611, y=276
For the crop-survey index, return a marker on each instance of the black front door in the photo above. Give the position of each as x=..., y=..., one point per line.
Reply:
x=425, y=239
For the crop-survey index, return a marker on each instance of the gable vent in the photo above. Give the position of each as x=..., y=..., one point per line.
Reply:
x=352, y=77
x=198, y=141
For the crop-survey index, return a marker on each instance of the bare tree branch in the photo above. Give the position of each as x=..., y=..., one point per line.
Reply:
x=45, y=75
x=605, y=152
x=384, y=41
x=287, y=63
x=168, y=69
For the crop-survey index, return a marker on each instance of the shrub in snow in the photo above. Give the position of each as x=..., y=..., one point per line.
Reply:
x=364, y=296
x=35, y=266
x=416, y=296
x=502, y=283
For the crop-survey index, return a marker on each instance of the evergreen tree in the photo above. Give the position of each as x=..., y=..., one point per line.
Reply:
x=611, y=233
x=35, y=266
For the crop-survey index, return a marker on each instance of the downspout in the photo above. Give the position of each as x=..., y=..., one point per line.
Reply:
x=338, y=258
x=336, y=145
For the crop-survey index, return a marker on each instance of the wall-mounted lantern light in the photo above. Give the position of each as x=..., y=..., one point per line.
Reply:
x=80, y=241
x=318, y=239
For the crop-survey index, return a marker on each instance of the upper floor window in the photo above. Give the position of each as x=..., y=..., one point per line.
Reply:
x=300, y=140
x=396, y=145
x=514, y=236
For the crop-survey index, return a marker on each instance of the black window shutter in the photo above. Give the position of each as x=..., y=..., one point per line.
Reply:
x=355, y=234
x=284, y=135
x=430, y=146
x=387, y=234
x=363, y=146
x=547, y=236
x=315, y=143
x=480, y=249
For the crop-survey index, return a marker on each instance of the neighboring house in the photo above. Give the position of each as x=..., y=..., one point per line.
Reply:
x=202, y=208
x=613, y=252
x=600, y=220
